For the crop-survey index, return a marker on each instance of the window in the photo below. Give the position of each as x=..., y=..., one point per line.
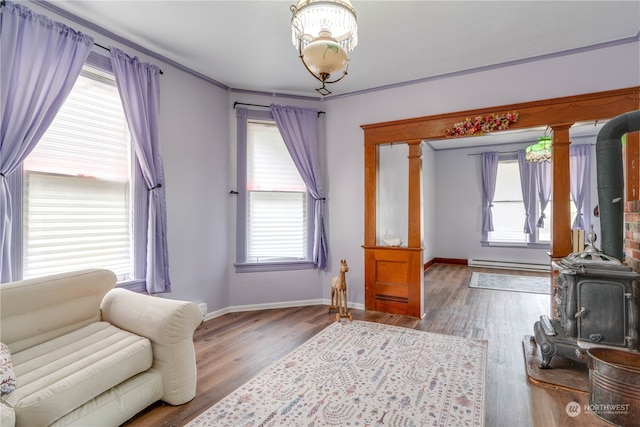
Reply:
x=77, y=188
x=508, y=207
x=274, y=226
x=509, y=213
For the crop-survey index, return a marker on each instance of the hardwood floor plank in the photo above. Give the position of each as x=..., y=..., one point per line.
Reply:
x=233, y=348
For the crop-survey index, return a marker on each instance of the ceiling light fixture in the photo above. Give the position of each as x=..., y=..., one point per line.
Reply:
x=540, y=151
x=324, y=31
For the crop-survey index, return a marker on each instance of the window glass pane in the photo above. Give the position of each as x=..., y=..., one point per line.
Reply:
x=508, y=182
x=544, y=233
x=269, y=165
x=276, y=216
x=276, y=226
x=508, y=222
x=75, y=222
x=508, y=207
x=76, y=203
x=89, y=136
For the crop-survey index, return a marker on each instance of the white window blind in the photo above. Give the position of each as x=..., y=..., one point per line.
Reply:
x=276, y=198
x=76, y=201
x=508, y=207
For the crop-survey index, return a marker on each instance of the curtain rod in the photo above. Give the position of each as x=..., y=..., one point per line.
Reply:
x=109, y=50
x=512, y=152
x=499, y=152
x=3, y=3
x=262, y=106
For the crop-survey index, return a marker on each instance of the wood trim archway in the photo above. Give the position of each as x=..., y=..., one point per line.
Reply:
x=557, y=113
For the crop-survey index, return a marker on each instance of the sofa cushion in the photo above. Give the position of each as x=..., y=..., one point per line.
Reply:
x=57, y=376
x=116, y=405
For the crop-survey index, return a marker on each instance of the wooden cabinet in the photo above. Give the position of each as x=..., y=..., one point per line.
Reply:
x=394, y=275
x=394, y=280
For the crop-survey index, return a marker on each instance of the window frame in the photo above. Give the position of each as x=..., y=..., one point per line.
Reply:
x=139, y=207
x=532, y=239
x=243, y=116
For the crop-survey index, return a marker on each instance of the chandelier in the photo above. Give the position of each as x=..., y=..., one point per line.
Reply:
x=540, y=151
x=324, y=31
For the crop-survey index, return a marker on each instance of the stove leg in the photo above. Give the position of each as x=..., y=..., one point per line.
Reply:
x=547, y=349
x=546, y=360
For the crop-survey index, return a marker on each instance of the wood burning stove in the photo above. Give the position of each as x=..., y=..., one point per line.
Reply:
x=596, y=307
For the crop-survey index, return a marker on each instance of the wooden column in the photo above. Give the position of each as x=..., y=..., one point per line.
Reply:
x=632, y=168
x=370, y=216
x=370, y=181
x=561, y=213
x=415, y=233
x=415, y=194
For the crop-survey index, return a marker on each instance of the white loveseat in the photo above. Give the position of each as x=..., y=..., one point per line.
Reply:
x=85, y=353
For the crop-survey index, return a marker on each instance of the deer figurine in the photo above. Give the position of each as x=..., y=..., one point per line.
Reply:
x=339, y=292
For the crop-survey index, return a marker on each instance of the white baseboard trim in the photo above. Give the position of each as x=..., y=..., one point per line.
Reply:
x=269, y=306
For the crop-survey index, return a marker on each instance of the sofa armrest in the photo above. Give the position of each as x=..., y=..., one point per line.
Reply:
x=169, y=325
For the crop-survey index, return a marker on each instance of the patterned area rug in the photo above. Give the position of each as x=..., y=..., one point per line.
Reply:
x=508, y=282
x=364, y=374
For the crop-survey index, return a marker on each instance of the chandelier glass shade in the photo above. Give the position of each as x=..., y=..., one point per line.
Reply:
x=540, y=151
x=324, y=31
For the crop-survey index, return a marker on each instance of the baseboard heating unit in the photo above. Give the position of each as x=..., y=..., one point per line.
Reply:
x=508, y=265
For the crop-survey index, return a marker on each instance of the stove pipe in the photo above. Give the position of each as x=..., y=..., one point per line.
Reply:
x=611, y=180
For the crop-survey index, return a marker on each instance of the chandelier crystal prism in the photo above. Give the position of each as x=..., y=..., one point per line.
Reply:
x=324, y=31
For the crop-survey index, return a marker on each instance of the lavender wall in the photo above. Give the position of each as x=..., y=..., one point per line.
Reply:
x=198, y=143
x=455, y=231
x=195, y=144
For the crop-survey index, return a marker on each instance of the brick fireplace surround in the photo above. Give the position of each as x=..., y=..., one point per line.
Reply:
x=632, y=234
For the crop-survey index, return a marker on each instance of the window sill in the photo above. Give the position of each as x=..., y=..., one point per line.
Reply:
x=136, y=285
x=258, y=267
x=530, y=245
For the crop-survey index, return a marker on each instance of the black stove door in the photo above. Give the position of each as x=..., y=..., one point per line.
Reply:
x=602, y=316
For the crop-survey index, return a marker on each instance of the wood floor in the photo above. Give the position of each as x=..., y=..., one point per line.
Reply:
x=233, y=348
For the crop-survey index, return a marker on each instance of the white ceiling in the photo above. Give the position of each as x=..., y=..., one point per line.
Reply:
x=246, y=45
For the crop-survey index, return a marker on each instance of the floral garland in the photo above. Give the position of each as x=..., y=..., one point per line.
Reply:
x=482, y=124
